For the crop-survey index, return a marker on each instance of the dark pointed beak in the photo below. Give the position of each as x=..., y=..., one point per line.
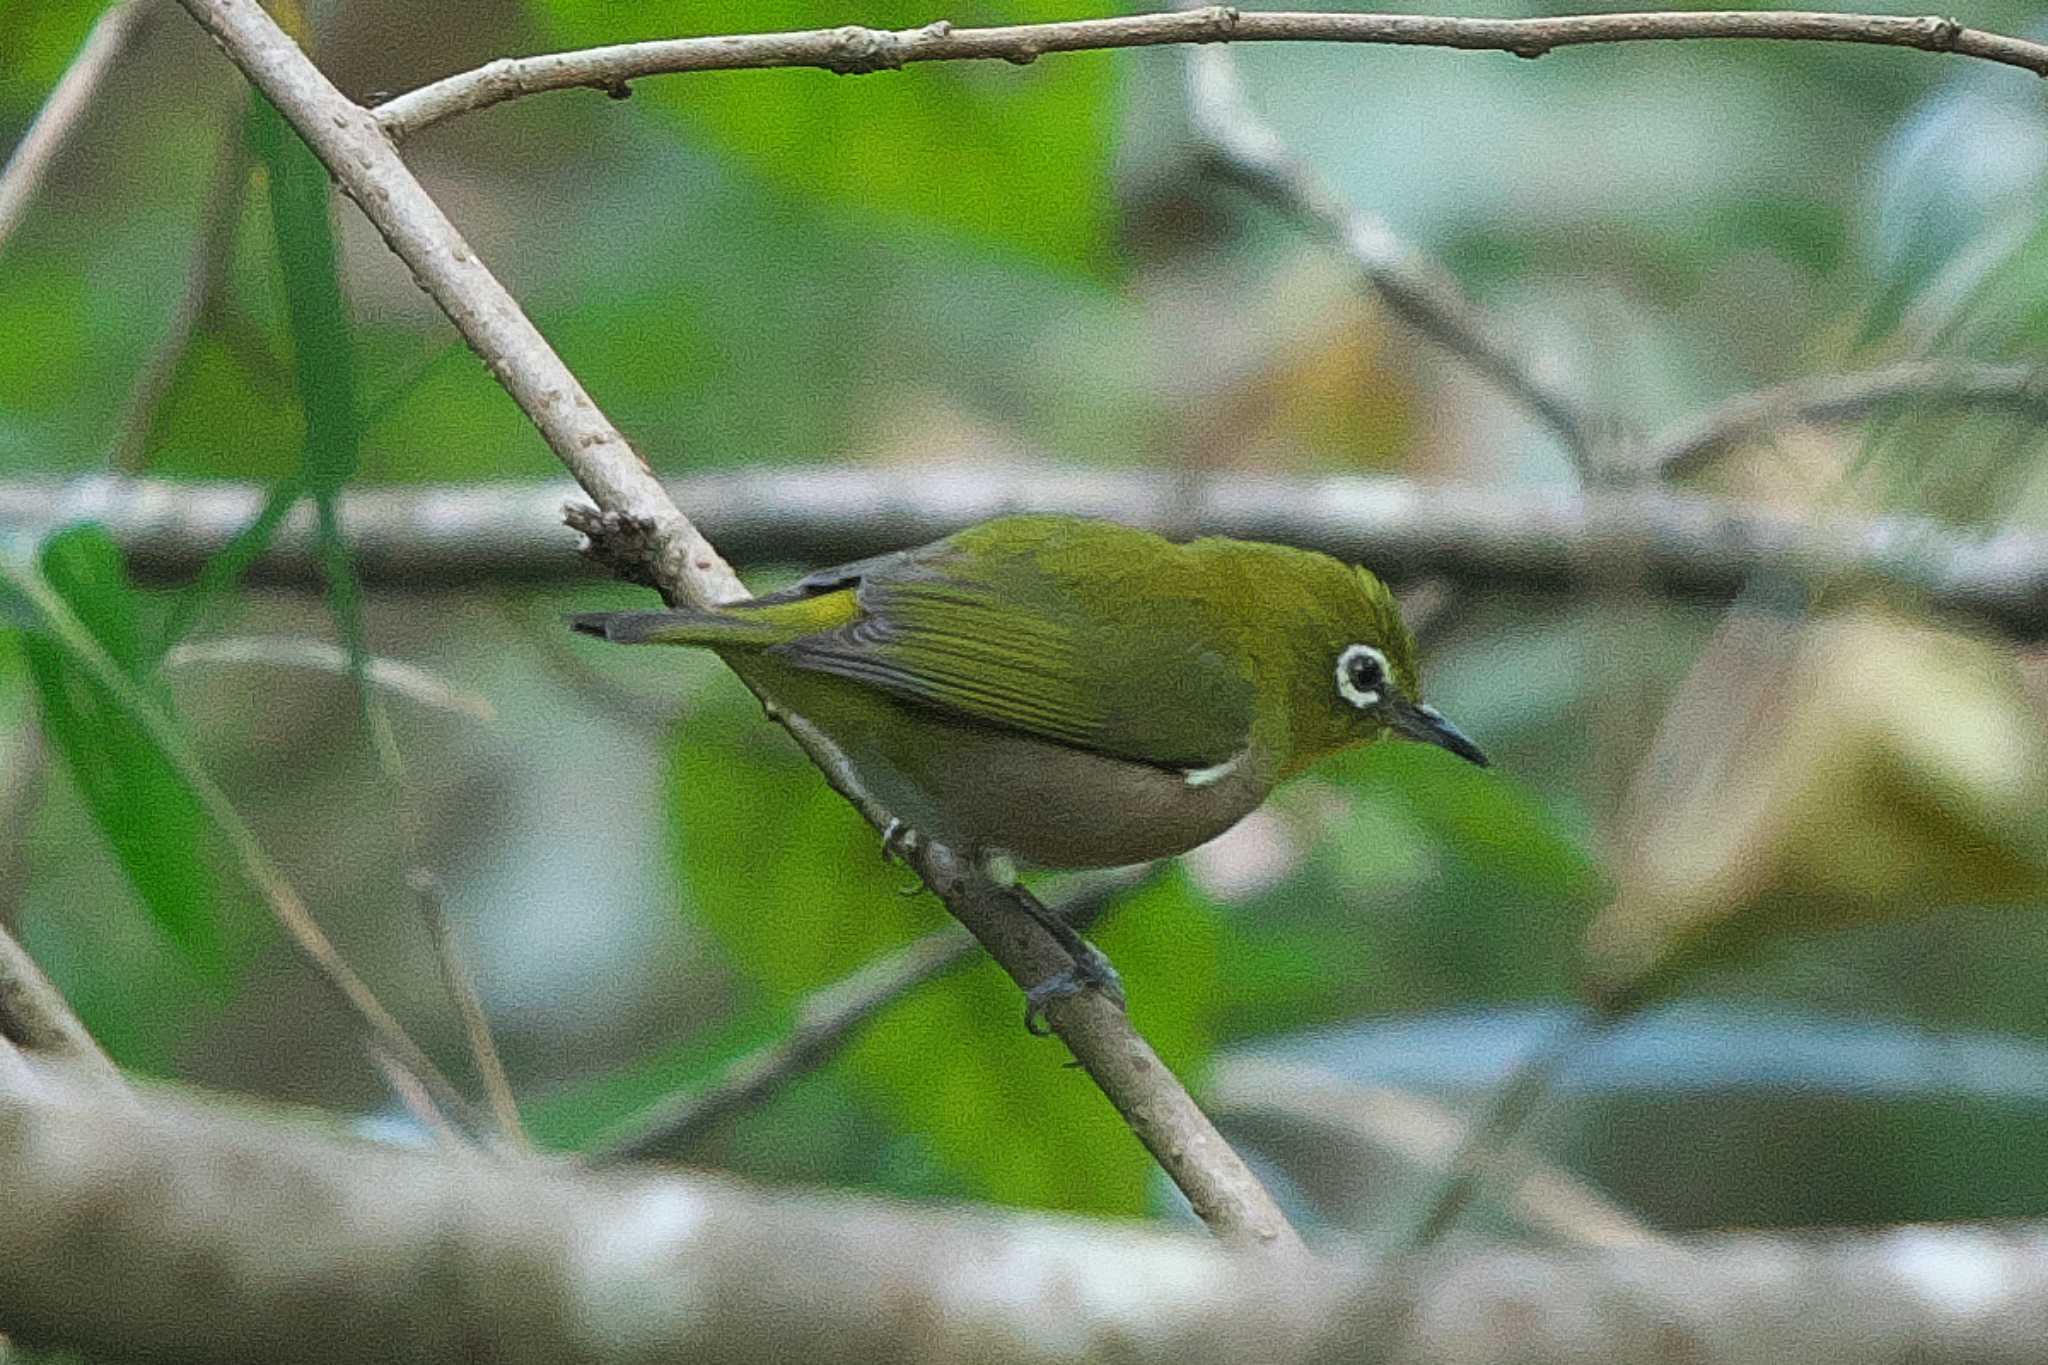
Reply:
x=1427, y=724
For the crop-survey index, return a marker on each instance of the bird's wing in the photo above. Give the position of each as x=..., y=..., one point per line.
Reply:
x=1040, y=627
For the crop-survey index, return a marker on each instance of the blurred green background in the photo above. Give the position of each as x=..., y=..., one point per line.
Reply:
x=983, y=263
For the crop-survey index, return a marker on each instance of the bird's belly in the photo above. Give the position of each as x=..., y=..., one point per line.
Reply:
x=987, y=789
x=1055, y=806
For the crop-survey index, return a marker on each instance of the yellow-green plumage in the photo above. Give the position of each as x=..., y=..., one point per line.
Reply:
x=1075, y=693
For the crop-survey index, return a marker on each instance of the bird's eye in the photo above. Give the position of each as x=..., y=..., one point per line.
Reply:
x=1362, y=675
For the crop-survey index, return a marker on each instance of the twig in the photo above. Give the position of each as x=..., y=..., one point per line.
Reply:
x=1416, y=287
x=263, y=875
x=276, y=651
x=1505, y=1114
x=461, y=986
x=35, y=1017
x=24, y=172
x=206, y=269
x=826, y=1021
x=1532, y=540
x=855, y=51
x=357, y=150
x=1688, y=447
x=1418, y=1129
x=417, y=1103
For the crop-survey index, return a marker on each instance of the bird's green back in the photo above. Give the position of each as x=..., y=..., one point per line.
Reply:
x=1089, y=634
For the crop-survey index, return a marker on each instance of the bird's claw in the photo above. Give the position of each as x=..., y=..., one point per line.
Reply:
x=1091, y=970
x=899, y=841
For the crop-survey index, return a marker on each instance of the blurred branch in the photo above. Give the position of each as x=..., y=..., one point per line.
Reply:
x=1382, y=1120
x=852, y=50
x=276, y=651
x=682, y=564
x=1687, y=448
x=73, y=95
x=1522, y=539
x=1419, y=291
x=332, y=1250
x=826, y=1021
x=35, y=1017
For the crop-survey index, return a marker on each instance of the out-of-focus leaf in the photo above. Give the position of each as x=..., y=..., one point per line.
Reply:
x=151, y=820
x=1957, y=186
x=792, y=881
x=1484, y=817
x=1859, y=768
x=38, y=39
x=1017, y=157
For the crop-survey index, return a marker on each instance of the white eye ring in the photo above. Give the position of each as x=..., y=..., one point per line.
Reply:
x=1368, y=661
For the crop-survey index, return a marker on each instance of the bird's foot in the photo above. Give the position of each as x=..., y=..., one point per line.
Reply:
x=899, y=841
x=1091, y=970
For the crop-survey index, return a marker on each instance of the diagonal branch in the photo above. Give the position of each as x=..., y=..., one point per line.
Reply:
x=1420, y=292
x=683, y=564
x=853, y=50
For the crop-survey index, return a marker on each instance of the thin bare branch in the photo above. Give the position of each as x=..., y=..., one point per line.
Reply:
x=1689, y=447
x=1419, y=290
x=852, y=50
x=68, y=102
x=826, y=1021
x=356, y=149
x=1527, y=540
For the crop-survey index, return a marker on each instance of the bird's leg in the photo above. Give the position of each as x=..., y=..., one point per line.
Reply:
x=1090, y=969
x=899, y=841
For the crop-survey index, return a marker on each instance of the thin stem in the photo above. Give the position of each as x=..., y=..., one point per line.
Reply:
x=206, y=270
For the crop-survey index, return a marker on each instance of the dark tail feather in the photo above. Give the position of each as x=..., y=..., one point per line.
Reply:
x=674, y=628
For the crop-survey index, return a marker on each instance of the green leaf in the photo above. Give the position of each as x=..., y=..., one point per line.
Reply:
x=151, y=820
x=1015, y=156
x=323, y=359
x=790, y=878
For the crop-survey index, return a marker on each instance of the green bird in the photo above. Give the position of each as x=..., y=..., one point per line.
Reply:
x=1074, y=693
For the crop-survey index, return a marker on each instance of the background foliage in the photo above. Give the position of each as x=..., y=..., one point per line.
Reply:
x=982, y=263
